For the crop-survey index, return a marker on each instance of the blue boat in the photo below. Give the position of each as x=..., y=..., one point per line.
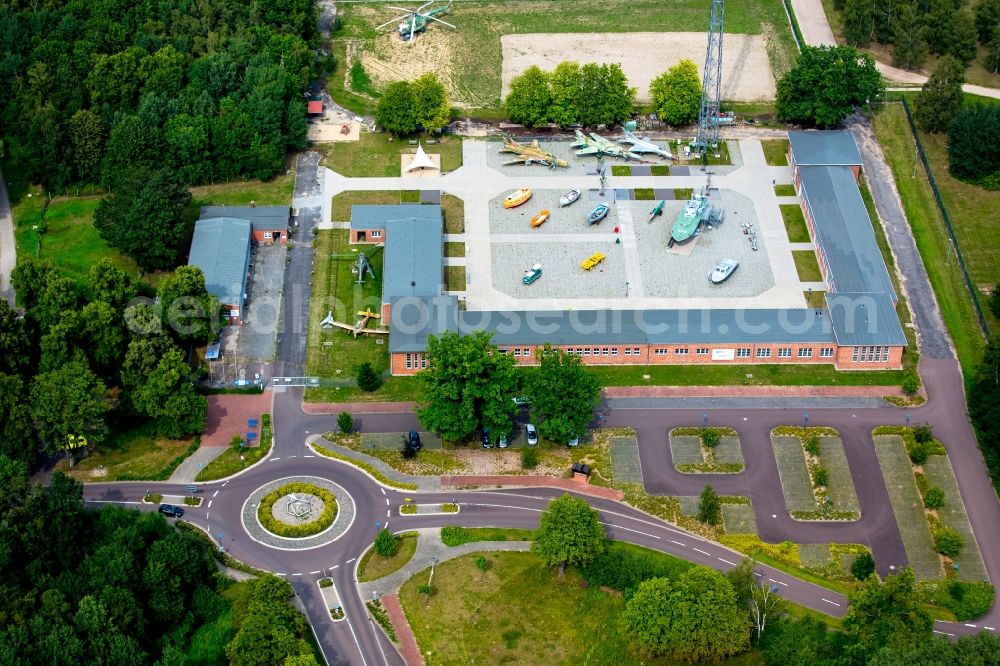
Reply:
x=599, y=213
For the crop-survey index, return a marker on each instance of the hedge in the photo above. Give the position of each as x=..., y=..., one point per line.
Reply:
x=379, y=476
x=275, y=526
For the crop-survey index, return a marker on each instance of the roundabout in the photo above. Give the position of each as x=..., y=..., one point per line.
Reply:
x=298, y=513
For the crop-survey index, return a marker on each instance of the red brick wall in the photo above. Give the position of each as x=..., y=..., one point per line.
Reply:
x=845, y=360
x=385, y=314
x=368, y=236
x=258, y=235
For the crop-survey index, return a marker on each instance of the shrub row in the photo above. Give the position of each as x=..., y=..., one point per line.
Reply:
x=272, y=524
x=967, y=601
x=751, y=544
x=382, y=617
x=709, y=468
x=379, y=476
x=623, y=569
x=824, y=514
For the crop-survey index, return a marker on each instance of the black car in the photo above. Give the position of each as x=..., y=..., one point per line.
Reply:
x=413, y=440
x=171, y=510
x=485, y=437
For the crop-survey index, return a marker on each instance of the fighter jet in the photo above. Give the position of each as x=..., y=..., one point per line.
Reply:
x=598, y=145
x=643, y=146
x=530, y=153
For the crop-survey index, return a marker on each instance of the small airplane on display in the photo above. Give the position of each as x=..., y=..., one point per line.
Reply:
x=416, y=20
x=638, y=145
x=530, y=154
x=597, y=145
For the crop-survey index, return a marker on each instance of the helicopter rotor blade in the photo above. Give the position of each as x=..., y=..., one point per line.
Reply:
x=429, y=2
x=439, y=21
x=413, y=29
x=401, y=9
x=398, y=18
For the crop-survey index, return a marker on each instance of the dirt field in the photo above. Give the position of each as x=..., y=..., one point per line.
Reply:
x=746, y=72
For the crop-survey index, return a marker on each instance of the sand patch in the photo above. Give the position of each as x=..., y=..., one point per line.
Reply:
x=746, y=70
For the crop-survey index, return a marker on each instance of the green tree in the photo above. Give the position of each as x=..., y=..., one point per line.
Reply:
x=992, y=58
x=431, y=100
x=566, y=101
x=982, y=648
x=569, y=532
x=709, y=507
x=887, y=614
x=17, y=433
x=142, y=358
x=188, y=145
x=112, y=285
x=69, y=402
x=145, y=218
x=909, y=39
x=87, y=134
x=948, y=542
x=101, y=327
x=271, y=631
x=396, y=110
x=163, y=71
x=826, y=85
x=385, y=543
x=676, y=94
x=884, y=13
x=468, y=384
x=367, y=378
x=693, y=618
x=186, y=307
x=974, y=144
x=16, y=345
x=987, y=20
x=529, y=98
x=169, y=398
x=563, y=394
x=345, y=422
x=859, y=23
x=937, y=18
x=132, y=145
x=743, y=580
x=962, y=42
x=863, y=566
x=608, y=97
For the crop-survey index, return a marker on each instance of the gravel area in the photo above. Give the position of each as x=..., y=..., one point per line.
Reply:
x=569, y=220
x=625, y=465
x=562, y=276
x=578, y=165
x=345, y=516
x=279, y=509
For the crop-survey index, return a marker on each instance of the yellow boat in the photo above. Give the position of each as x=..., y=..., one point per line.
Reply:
x=539, y=219
x=592, y=261
x=515, y=199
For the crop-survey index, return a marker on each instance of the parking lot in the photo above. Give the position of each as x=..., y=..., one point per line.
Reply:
x=263, y=307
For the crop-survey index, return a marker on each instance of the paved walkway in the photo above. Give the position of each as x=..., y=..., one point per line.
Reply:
x=407, y=641
x=358, y=407
x=188, y=470
x=8, y=251
x=421, y=482
x=228, y=415
x=507, y=481
x=750, y=391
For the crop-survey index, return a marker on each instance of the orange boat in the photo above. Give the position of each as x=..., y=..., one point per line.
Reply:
x=516, y=198
x=539, y=219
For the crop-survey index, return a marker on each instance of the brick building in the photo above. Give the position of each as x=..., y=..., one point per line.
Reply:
x=269, y=224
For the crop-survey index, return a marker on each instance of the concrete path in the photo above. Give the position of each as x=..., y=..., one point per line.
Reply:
x=8, y=250
x=425, y=483
x=188, y=470
x=631, y=247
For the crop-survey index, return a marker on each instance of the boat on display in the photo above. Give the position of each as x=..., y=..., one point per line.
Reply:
x=532, y=274
x=690, y=217
x=599, y=213
x=539, y=219
x=569, y=198
x=723, y=270
x=517, y=197
x=656, y=211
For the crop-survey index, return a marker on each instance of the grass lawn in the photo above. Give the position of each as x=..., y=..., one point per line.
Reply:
x=70, y=240
x=785, y=190
x=454, y=249
x=473, y=56
x=341, y=203
x=230, y=461
x=135, y=455
x=815, y=299
x=795, y=223
x=375, y=155
x=929, y=233
x=776, y=152
x=454, y=278
x=659, y=170
x=953, y=515
x=794, y=474
x=739, y=519
x=373, y=566
x=333, y=353
x=621, y=170
x=807, y=266
x=737, y=375
x=240, y=193
x=453, y=211
x=393, y=389
x=841, y=485
x=908, y=506
x=456, y=536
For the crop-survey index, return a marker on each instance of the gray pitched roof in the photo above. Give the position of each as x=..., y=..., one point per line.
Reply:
x=375, y=217
x=844, y=231
x=221, y=249
x=413, y=259
x=824, y=147
x=865, y=319
x=263, y=218
x=413, y=319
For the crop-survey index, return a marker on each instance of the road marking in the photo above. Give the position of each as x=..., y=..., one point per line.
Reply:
x=215, y=493
x=989, y=628
x=313, y=573
x=944, y=633
x=383, y=490
x=732, y=564
x=970, y=625
x=279, y=574
x=829, y=602
x=298, y=574
x=387, y=501
x=273, y=459
x=388, y=513
x=290, y=457
x=335, y=566
x=758, y=574
x=678, y=543
x=360, y=651
x=350, y=560
x=308, y=456
x=224, y=484
x=628, y=529
x=699, y=550
x=778, y=582
x=210, y=503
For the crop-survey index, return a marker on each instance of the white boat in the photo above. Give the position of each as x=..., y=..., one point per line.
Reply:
x=723, y=270
x=569, y=198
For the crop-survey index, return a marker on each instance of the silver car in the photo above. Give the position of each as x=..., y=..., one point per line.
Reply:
x=532, y=435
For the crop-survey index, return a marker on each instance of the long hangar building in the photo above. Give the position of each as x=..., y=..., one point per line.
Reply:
x=857, y=329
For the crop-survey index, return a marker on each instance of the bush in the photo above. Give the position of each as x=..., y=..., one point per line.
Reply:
x=710, y=437
x=529, y=457
x=366, y=377
x=345, y=422
x=386, y=543
x=811, y=445
x=622, y=567
x=482, y=563
x=449, y=508
x=235, y=441
x=709, y=508
x=934, y=498
x=923, y=433
x=326, y=582
x=425, y=589
x=910, y=385
x=275, y=526
x=863, y=566
x=821, y=477
x=408, y=509
x=918, y=453
x=967, y=601
x=948, y=542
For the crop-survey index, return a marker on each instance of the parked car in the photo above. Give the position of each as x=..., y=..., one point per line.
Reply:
x=413, y=440
x=171, y=510
x=532, y=435
x=502, y=442
x=573, y=442
x=485, y=438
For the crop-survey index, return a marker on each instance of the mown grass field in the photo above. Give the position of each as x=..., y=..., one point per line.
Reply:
x=794, y=475
x=841, y=485
x=341, y=203
x=373, y=566
x=375, y=155
x=953, y=515
x=807, y=266
x=776, y=152
x=795, y=222
x=907, y=506
x=475, y=52
x=133, y=455
x=276, y=191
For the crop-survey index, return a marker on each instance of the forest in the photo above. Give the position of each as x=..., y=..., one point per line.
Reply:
x=94, y=89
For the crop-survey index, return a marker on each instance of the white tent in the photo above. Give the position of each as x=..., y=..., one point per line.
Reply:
x=421, y=161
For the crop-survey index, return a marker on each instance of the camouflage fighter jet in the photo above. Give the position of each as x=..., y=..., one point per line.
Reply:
x=597, y=145
x=530, y=153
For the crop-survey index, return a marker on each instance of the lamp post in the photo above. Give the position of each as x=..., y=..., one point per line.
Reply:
x=805, y=419
x=704, y=420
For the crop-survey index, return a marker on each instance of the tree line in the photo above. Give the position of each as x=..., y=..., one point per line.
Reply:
x=211, y=90
x=407, y=106
x=588, y=94
x=77, y=367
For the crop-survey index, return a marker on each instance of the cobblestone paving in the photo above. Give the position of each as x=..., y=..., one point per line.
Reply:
x=345, y=516
x=625, y=460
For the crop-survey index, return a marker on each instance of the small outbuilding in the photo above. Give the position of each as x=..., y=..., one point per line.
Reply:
x=314, y=108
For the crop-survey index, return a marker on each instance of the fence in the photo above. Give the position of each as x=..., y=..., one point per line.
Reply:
x=969, y=284
x=800, y=41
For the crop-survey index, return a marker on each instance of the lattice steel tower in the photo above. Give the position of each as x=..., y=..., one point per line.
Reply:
x=711, y=83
